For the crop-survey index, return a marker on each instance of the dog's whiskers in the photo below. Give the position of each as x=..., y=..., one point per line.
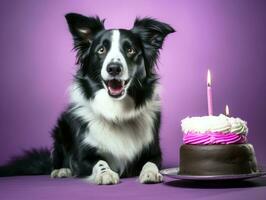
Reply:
x=139, y=82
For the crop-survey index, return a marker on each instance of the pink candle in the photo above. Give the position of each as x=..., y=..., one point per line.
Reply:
x=209, y=93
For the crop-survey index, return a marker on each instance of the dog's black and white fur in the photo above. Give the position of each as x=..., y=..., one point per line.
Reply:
x=111, y=126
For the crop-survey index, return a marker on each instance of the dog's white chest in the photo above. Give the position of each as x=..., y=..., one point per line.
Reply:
x=120, y=142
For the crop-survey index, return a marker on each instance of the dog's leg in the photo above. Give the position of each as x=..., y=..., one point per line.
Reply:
x=150, y=174
x=103, y=175
x=59, y=169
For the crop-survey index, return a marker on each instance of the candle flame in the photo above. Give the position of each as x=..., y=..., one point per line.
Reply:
x=227, y=110
x=209, y=78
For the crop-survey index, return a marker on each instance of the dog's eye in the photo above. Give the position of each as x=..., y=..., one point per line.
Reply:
x=130, y=51
x=102, y=50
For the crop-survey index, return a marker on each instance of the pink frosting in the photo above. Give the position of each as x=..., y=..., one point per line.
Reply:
x=214, y=138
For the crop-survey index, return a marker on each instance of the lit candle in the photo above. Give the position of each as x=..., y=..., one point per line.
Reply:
x=227, y=110
x=209, y=93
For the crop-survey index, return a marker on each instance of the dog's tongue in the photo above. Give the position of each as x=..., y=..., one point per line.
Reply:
x=115, y=87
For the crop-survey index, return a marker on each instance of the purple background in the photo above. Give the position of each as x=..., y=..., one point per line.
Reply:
x=37, y=64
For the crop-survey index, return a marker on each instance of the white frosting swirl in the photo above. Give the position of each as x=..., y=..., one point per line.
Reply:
x=219, y=123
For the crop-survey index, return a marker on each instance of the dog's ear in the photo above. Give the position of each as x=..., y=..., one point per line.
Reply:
x=152, y=34
x=83, y=29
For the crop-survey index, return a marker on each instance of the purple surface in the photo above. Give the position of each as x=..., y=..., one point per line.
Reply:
x=42, y=187
x=36, y=64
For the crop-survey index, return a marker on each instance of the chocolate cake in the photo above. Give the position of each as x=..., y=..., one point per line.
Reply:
x=217, y=159
x=216, y=145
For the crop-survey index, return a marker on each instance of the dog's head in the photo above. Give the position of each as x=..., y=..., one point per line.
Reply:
x=115, y=59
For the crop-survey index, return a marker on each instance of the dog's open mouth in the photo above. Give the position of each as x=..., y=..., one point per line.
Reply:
x=116, y=88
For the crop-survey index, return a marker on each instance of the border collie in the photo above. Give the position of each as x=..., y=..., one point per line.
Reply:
x=111, y=127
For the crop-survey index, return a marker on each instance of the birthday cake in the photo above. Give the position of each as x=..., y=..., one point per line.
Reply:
x=216, y=145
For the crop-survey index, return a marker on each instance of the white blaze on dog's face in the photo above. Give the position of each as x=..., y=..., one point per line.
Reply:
x=115, y=56
x=115, y=71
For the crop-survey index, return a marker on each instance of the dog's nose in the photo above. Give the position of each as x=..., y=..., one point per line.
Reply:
x=114, y=69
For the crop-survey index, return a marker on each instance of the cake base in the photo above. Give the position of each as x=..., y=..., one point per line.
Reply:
x=217, y=159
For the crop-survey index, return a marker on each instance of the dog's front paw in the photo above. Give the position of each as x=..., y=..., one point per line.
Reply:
x=107, y=177
x=150, y=177
x=150, y=174
x=102, y=174
x=61, y=173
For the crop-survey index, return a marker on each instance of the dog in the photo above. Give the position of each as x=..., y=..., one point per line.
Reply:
x=110, y=128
